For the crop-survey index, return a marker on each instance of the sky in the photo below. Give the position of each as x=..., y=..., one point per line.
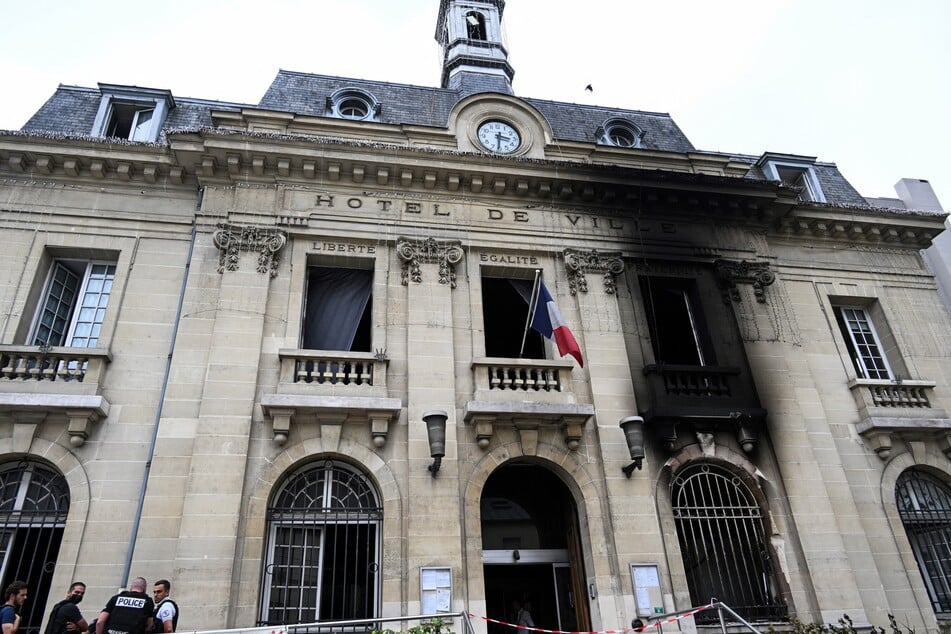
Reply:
x=865, y=84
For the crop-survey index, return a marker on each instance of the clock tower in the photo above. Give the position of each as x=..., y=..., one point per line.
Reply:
x=474, y=57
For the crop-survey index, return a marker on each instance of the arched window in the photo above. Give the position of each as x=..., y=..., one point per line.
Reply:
x=924, y=505
x=723, y=543
x=475, y=25
x=34, y=503
x=323, y=547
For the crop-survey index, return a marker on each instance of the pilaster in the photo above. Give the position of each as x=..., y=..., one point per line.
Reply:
x=432, y=498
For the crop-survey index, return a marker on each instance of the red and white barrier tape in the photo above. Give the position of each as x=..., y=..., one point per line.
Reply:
x=652, y=624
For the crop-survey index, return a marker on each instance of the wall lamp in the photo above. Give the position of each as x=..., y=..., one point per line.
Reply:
x=633, y=427
x=436, y=430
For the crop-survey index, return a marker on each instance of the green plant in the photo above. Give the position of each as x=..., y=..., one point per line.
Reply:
x=433, y=626
x=844, y=626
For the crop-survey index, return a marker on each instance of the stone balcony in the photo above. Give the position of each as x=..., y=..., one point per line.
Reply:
x=702, y=399
x=331, y=388
x=53, y=384
x=526, y=393
x=889, y=410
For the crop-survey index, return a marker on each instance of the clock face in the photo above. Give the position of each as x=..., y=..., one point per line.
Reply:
x=498, y=136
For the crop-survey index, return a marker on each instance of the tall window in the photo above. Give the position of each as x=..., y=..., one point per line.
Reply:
x=505, y=311
x=34, y=503
x=475, y=25
x=924, y=504
x=863, y=343
x=323, y=555
x=723, y=543
x=678, y=329
x=338, y=309
x=73, y=304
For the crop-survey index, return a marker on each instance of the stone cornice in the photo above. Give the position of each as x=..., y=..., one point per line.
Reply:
x=208, y=156
x=856, y=225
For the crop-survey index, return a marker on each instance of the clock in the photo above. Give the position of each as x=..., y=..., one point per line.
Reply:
x=499, y=136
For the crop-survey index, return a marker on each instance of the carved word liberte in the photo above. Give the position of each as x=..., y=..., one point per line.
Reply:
x=432, y=209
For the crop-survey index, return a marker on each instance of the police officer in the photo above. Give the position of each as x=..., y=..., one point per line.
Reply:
x=165, y=620
x=129, y=612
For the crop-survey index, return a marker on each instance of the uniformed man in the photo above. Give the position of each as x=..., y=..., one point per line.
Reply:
x=129, y=612
x=166, y=610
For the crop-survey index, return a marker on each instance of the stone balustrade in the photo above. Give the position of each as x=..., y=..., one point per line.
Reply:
x=323, y=367
x=53, y=364
x=522, y=375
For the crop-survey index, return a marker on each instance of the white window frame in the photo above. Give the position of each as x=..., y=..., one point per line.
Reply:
x=858, y=348
x=78, y=300
x=344, y=95
x=159, y=102
x=813, y=191
x=606, y=133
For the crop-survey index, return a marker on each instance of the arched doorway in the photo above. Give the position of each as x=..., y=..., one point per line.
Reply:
x=34, y=503
x=531, y=549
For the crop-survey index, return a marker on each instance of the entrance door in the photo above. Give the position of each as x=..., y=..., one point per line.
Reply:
x=531, y=550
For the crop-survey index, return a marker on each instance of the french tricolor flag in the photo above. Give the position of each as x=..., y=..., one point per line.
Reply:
x=550, y=324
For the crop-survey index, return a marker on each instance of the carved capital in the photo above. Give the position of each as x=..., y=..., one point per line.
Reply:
x=730, y=273
x=446, y=253
x=232, y=239
x=610, y=265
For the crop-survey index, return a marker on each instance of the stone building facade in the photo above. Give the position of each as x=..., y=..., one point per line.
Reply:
x=278, y=353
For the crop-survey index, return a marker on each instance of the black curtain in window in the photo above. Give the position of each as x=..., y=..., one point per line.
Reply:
x=336, y=301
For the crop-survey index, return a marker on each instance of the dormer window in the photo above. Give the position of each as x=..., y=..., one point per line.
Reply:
x=131, y=113
x=793, y=171
x=353, y=104
x=475, y=25
x=619, y=133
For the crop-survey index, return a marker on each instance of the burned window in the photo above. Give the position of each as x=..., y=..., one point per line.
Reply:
x=323, y=547
x=505, y=311
x=337, y=309
x=678, y=330
x=723, y=544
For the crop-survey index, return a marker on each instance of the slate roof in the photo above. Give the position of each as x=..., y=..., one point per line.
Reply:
x=72, y=110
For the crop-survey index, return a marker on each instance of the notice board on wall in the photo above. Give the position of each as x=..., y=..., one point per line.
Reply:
x=435, y=590
x=647, y=594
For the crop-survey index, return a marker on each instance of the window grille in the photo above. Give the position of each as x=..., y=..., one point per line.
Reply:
x=323, y=556
x=924, y=505
x=722, y=541
x=34, y=503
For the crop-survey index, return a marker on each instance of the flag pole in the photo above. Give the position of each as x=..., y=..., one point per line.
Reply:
x=532, y=306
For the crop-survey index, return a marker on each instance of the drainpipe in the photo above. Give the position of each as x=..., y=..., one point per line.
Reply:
x=158, y=411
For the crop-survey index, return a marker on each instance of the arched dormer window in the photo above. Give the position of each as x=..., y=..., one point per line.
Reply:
x=475, y=25
x=351, y=103
x=619, y=133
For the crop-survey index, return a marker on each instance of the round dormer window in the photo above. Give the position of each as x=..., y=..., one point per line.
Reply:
x=620, y=133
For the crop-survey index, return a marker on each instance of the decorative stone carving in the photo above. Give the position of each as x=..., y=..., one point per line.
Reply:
x=730, y=273
x=446, y=253
x=232, y=239
x=610, y=265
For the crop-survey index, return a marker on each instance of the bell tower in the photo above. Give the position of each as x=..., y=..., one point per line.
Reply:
x=474, y=56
